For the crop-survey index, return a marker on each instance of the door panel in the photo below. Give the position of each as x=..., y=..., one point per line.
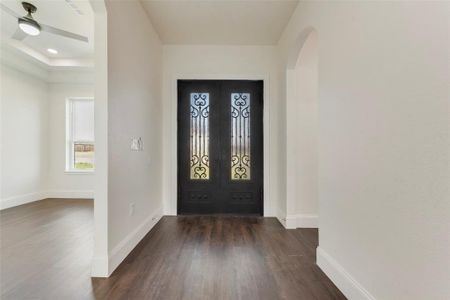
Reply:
x=220, y=146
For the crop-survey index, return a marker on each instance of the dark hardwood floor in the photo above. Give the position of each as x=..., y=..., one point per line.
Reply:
x=46, y=248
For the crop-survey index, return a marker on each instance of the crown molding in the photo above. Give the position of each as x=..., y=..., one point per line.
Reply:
x=46, y=61
x=50, y=71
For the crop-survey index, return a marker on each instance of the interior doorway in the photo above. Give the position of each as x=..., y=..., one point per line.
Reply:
x=220, y=147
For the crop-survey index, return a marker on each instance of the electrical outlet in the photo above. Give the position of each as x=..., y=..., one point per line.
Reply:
x=131, y=209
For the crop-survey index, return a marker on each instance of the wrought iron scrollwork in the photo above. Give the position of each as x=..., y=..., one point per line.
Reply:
x=240, y=136
x=199, y=143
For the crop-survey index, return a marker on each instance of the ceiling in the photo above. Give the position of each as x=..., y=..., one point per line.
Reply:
x=222, y=22
x=71, y=15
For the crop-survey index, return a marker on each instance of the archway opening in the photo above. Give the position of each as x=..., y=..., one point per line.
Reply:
x=302, y=133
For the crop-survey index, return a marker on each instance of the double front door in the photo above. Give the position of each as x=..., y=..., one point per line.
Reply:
x=220, y=147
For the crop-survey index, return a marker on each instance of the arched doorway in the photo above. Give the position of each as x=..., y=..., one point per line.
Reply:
x=301, y=133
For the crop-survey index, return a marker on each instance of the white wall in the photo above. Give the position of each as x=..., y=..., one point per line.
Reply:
x=24, y=138
x=222, y=62
x=100, y=260
x=33, y=108
x=61, y=183
x=383, y=145
x=134, y=110
x=301, y=141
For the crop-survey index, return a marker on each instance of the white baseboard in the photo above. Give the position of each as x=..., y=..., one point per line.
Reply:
x=99, y=267
x=121, y=251
x=76, y=194
x=302, y=221
x=21, y=199
x=281, y=217
x=31, y=197
x=351, y=288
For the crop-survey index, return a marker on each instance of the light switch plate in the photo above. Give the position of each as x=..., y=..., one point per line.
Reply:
x=134, y=145
x=137, y=144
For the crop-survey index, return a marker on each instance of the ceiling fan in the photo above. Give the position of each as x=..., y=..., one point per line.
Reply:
x=29, y=26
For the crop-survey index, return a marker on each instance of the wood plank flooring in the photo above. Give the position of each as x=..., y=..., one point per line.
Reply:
x=46, y=248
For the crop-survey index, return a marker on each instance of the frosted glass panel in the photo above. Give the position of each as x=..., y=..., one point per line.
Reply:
x=240, y=136
x=199, y=142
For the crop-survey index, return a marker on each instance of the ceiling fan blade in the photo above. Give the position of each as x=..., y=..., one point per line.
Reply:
x=19, y=35
x=9, y=11
x=64, y=33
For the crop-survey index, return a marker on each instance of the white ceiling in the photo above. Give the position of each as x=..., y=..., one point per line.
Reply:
x=71, y=15
x=223, y=22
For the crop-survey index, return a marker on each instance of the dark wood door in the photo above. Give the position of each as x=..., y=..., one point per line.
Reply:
x=220, y=147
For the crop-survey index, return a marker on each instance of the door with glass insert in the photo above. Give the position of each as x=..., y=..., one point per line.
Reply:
x=220, y=147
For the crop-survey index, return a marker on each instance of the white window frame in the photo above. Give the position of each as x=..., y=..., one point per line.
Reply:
x=69, y=137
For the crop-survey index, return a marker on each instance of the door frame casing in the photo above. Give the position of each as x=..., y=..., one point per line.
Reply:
x=172, y=185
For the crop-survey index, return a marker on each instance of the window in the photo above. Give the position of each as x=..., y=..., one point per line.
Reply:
x=80, y=135
x=199, y=136
x=240, y=136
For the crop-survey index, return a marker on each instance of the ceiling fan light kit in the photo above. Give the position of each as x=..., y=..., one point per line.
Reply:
x=29, y=26
x=27, y=23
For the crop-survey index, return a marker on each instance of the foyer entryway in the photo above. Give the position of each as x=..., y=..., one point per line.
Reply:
x=220, y=146
x=185, y=257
